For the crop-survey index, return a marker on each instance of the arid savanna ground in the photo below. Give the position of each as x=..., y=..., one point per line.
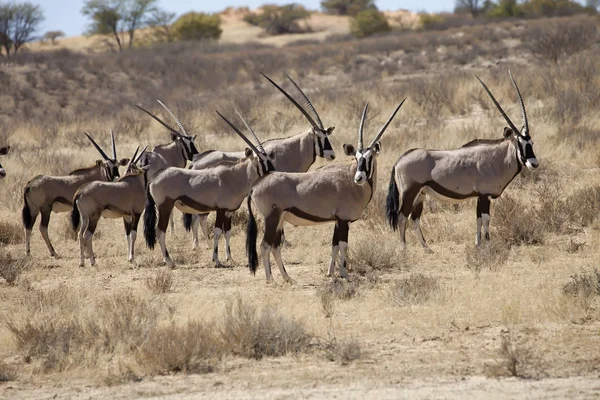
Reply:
x=519, y=317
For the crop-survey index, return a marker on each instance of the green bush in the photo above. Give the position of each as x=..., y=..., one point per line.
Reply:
x=276, y=20
x=197, y=26
x=369, y=22
x=551, y=8
x=347, y=7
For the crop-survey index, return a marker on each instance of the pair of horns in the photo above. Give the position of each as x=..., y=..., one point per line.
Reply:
x=318, y=124
x=133, y=160
x=163, y=123
x=512, y=126
x=102, y=153
x=361, y=127
x=258, y=149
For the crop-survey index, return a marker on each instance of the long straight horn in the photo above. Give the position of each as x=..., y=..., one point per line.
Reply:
x=140, y=155
x=294, y=102
x=258, y=143
x=522, y=104
x=160, y=121
x=179, y=124
x=248, y=142
x=312, y=108
x=132, y=160
x=102, y=153
x=112, y=142
x=508, y=121
x=361, y=127
x=387, y=123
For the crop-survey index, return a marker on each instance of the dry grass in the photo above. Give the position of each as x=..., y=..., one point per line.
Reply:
x=343, y=352
x=490, y=255
x=414, y=290
x=11, y=267
x=377, y=252
x=515, y=359
x=10, y=232
x=161, y=282
x=583, y=284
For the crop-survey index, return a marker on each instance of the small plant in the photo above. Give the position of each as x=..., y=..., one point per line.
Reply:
x=161, y=282
x=515, y=359
x=369, y=22
x=416, y=289
x=197, y=26
x=327, y=299
x=556, y=41
x=512, y=230
x=343, y=352
x=11, y=268
x=341, y=289
x=583, y=284
x=377, y=252
x=492, y=255
x=10, y=232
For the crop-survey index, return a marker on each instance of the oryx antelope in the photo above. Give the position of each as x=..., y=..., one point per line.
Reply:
x=334, y=193
x=3, y=151
x=293, y=154
x=46, y=194
x=221, y=189
x=480, y=168
x=123, y=198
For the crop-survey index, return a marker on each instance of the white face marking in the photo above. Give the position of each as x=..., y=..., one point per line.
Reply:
x=530, y=163
x=361, y=176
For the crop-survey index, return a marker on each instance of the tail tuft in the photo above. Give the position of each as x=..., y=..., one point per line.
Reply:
x=75, y=215
x=26, y=213
x=251, y=236
x=187, y=221
x=150, y=220
x=393, y=202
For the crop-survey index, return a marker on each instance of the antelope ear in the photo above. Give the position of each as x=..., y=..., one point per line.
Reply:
x=174, y=136
x=508, y=132
x=330, y=130
x=194, y=137
x=4, y=150
x=376, y=148
x=99, y=162
x=123, y=161
x=248, y=152
x=349, y=150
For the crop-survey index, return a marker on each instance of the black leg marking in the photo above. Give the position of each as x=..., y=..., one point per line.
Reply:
x=271, y=224
x=164, y=214
x=335, y=241
x=45, y=218
x=417, y=211
x=127, y=227
x=483, y=207
x=342, y=227
x=408, y=199
x=135, y=221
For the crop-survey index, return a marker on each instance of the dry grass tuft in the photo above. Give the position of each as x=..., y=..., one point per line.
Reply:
x=491, y=255
x=377, y=252
x=584, y=284
x=7, y=373
x=249, y=333
x=584, y=204
x=11, y=268
x=10, y=232
x=515, y=359
x=343, y=352
x=191, y=348
x=416, y=289
x=341, y=289
x=516, y=224
x=161, y=282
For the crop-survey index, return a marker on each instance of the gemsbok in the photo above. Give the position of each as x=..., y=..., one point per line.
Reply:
x=221, y=189
x=293, y=154
x=480, y=169
x=335, y=193
x=3, y=151
x=123, y=198
x=46, y=194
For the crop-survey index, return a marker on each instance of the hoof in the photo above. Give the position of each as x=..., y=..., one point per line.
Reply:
x=427, y=250
x=220, y=265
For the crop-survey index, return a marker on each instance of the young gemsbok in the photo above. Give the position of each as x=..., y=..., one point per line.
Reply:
x=221, y=189
x=293, y=154
x=46, y=194
x=335, y=193
x=3, y=151
x=480, y=168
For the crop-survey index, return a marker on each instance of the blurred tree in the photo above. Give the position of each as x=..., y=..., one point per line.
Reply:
x=160, y=21
x=18, y=23
x=53, y=35
x=197, y=26
x=113, y=17
x=347, y=7
x=473, y=7
x=277, y=20
x=369, y=22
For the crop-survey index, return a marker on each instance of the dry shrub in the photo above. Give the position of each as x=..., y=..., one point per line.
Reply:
x=327, y=301
x=10, y=232
x=515, y=223
x=377, y=251
x=66, y=230
x=249, y=333
x=339, y=289
x=584, y=284
x=10, y=267
x=491, y=255
x=416, y=289
x=161, y=282
x=7, y=373
x=191, y=348
x=554, y=41
x=584, y=204
x=343, y=352
x=515, y=359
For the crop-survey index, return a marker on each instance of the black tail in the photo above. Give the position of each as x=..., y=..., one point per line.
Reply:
x=251, y=235
x=26, y=213
x=392, y=206
x=150, y=220
x=75, y=215
x=187, y=221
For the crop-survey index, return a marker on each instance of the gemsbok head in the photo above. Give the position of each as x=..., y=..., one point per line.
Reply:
x=336, y=193
x=183, y=147
x=111, y=164
x=480, y=169
x=3, y=151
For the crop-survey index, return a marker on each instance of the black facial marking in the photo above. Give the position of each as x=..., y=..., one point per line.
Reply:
x=327, y=144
